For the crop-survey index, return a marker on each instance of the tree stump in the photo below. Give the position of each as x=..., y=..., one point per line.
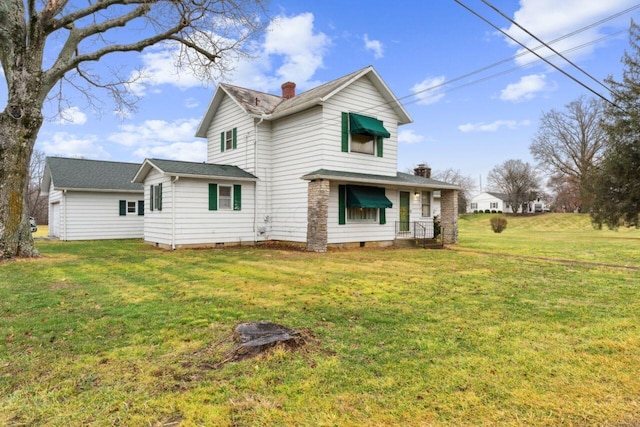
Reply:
x=254, y=338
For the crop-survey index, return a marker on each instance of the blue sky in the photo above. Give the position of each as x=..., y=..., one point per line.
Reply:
x=471, y=124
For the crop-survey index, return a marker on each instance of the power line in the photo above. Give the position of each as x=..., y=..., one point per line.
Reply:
x=539, y=56
x=545, y=44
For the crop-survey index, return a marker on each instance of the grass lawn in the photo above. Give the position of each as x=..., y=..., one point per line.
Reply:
x=538, y=325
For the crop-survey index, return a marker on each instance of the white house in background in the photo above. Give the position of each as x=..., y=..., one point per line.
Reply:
x=498, y=202
x=318, y=168
x=90, y=199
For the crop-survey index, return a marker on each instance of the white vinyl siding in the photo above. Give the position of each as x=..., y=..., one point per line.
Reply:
x=228, y=117
x=80, y=215
x=198, y=225
x=359, y=97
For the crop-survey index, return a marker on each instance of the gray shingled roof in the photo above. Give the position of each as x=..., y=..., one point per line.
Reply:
x=175, y=167
x=402, y=179
x=256, y=102
x=83, y=174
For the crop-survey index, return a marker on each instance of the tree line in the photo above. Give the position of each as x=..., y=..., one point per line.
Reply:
x=590, y=152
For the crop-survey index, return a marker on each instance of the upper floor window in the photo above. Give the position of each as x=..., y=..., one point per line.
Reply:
x=229, y=140
x=363, y=134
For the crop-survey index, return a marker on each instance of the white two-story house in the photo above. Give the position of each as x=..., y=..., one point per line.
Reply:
x=318, y=168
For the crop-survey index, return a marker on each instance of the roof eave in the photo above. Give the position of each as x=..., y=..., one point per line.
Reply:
x=217, y=177
x=380, y=182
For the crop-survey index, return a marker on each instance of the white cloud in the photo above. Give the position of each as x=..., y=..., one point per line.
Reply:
x=69, y=145
x=291, y=51
x=494, y=126
x=527, y=88
x=72, y=116
x=158, y=68
x=551, y=19
x=187, y=151
x=409, y=137
x=159, y=138
x=429, y=91
x=375, y=46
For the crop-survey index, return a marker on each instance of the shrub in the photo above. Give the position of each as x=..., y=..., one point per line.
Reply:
x=498, y=223
x=487, y=211
x=494, y=211
x=475, y=211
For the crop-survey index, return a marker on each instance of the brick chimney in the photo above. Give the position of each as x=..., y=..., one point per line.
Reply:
x=423, y=171
x=288, y=90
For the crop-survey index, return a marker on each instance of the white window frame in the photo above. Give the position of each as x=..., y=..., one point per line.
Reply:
x=225, y=202
x=362, y=215
x=363, y=144
x=131, y=207
x=474, y=206
x=426, y=196
x=228, y=140
x=493, y=205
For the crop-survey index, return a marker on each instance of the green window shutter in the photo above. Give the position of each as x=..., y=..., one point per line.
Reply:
x=379, y=146
x=221, y=142
x=151, y=197
x=345, y=132
x=383, y=216
x=123, y=207
x=237, y=197
x=159, y=190
x=140, y=207
x=213, y=197
x=342, y=204
x=235, y=138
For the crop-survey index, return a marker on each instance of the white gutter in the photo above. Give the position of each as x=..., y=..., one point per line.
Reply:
x=173, y=212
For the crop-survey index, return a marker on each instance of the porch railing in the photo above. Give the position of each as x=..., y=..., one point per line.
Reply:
x=414, y=229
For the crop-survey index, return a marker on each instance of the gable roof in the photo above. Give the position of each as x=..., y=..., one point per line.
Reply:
x=401, y=179
x=89, y=175
x=501, y=196
x=270, y=107
x=192, y=170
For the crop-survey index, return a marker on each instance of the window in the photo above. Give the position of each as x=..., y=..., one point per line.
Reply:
x=363, y=134
x=474, y=206
x=225, y=197
x=493, y=205
x=131, y=207
x=362, y=204
x=362, y=143
x=155, y=197
x=229, y=140
x=426, y=203
x=362, y=214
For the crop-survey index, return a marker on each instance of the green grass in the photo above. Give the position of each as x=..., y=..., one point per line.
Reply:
x=538, y=325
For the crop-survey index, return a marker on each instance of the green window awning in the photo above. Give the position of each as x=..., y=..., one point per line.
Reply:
x=367, y=126
x=367, y=197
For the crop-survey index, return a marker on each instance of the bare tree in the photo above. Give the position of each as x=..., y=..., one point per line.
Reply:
x=204, y=33
x=467, y=185
x=37, y=204
x=569, y=145
x=516, y=179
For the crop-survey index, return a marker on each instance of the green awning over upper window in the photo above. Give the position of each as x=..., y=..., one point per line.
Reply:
x=367, y=197
x=367, y=126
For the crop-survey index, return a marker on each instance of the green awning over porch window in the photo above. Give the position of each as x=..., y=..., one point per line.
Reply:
x=367, y=125
x=367, y=197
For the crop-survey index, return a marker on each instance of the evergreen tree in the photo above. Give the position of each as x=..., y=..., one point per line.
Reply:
x=617, y=189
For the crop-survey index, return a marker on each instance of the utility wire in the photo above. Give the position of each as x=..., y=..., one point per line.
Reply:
x=539, y=56
x=546, y=45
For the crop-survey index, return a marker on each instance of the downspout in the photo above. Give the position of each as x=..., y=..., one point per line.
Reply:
x=255, y=183
x=64, y=212
x=173, y=212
